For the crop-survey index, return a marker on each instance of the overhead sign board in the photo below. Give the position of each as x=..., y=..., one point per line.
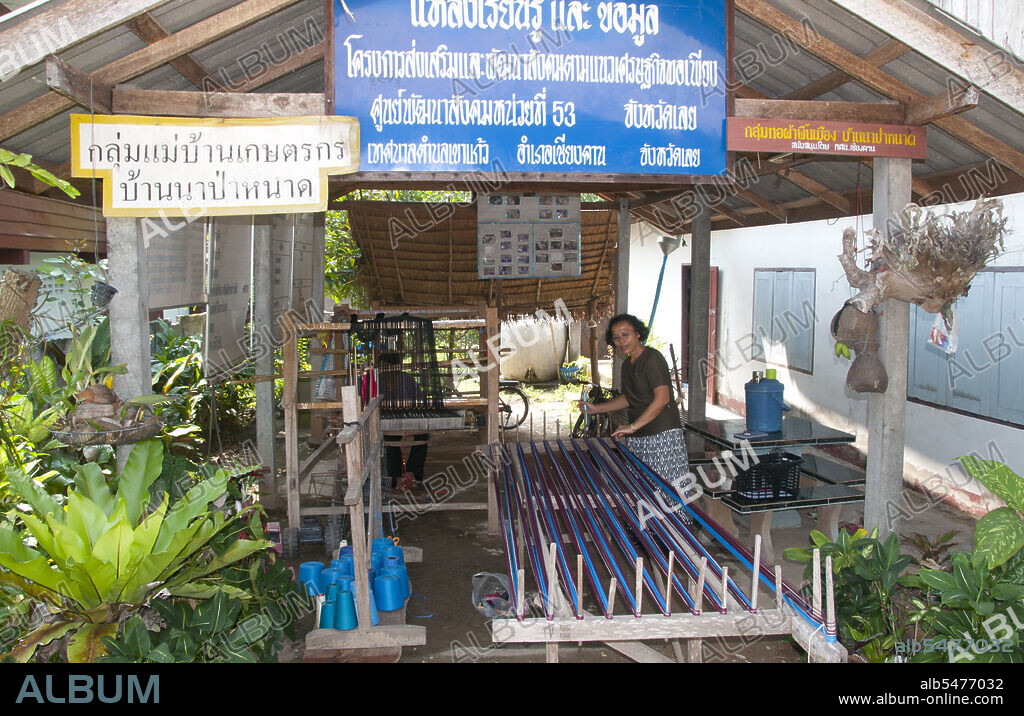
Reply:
x=170, y=166
x=811, y=137
x=535, y=86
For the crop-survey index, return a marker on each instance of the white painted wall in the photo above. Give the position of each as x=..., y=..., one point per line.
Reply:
x=934, y=437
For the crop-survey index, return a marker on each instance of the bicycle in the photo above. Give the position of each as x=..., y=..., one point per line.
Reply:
x=599, y=425
x=513, y=404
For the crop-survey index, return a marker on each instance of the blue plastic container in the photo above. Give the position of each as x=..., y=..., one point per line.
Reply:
x=765, y=406
x=327, y=615
x=345, y=611
x=388, y=593
x=311, y=577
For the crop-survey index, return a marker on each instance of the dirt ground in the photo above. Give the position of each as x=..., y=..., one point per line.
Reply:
x=456, y=546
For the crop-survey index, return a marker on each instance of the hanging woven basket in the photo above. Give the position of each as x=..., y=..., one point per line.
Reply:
x=867, y=374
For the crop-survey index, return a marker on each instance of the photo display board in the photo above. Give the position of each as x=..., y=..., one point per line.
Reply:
x=535, y=85
x=528, y=236
x=175, y=266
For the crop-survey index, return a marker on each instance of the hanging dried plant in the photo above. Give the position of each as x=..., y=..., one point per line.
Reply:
x=926, y=258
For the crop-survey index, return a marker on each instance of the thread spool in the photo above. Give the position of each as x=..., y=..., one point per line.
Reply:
x=327, y=614
x=395, y=551
x=345, y=563
x=310, y=577
x=345, y=611
x=332, y=576
x=402, y=574
x=381, y=543
x=388, y=592
x=347, y=549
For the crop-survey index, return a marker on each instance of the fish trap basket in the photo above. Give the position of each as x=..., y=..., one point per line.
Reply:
x=776, y=475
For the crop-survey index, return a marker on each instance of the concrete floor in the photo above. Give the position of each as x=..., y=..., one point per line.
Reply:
x=456, y=546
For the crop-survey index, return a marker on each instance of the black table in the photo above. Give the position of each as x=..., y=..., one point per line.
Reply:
x=797, y=433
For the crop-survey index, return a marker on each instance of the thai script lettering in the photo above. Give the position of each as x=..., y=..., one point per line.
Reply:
x=811, y=146
x=427, y=152
x=457, y=111
x=532, y=66
x=660, y=116
x=628, y=18
x=881, y=136
x=802, y=132
x=477, y=14
x=669, y=156
x=560, y=153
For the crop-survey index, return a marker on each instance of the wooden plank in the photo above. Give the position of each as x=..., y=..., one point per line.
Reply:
x=728, y=213
x=489, y=388
x=217, y=104
x=944, y=104
x=60, y=27
x=678, y=626
x=757, y=200
x=819, y=190
x=78, y=86
x=880, y=112
x=952, y=50
x=149, y=30
x=881, y=55
x=372, y=638
x=138, y=63
x=289, y=352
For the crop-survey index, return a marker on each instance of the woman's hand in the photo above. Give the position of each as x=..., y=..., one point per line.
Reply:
x=586, y=407
x=623, y=431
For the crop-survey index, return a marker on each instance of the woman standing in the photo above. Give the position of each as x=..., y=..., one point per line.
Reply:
x=655, y=432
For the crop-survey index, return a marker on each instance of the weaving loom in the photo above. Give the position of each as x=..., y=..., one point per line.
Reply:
x=588, y=514
x=396, y=357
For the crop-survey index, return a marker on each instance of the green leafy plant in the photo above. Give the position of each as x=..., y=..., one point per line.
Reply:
x=105, y=554
x=24, y=161
x=871, y=615
x=999, y=534
x=933, y=551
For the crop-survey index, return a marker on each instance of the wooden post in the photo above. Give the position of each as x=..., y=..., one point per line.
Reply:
x=757, y=573
x=361, y=541
x=621, y=280
x=816, y=586
x=700, y=306
x=263, y=336
x=830, y=599
x=289, y=373
x=579, y=584
x=668, y=589
x=887, y=411
x=490, y=379
x=595, y=372
x=639, y=567
x=778, y=586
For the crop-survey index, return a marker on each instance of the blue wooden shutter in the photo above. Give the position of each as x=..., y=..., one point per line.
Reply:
x=763, y=290
x=1008, y=391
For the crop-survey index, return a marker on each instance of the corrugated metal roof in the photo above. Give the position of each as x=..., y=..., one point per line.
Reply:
x=782, y=67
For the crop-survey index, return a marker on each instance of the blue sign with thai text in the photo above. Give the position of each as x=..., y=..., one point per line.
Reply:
x=534, y=85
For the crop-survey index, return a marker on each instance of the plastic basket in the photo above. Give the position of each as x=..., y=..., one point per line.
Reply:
x=776, y=475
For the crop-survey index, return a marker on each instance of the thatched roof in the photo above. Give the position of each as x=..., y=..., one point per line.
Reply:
x=432, y=260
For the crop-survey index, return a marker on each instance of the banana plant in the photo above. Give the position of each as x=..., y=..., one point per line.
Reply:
x=104, y=555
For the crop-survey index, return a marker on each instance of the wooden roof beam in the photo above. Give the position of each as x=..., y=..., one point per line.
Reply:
x=730, y=214
x=881, y=55
x=149, y=30
x=819, y=190
x=139, y=63
x=879, y=81
x=945, y=46
x=944, y=104
x=217, y=104
x=79, y=87
x=871, y=112
x=58, y=28
x=759, y=201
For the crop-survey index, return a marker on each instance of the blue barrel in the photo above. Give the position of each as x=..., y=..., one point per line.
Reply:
x=765, y=406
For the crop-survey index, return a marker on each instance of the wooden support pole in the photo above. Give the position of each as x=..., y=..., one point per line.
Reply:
x=700, y=303
x=725, y=588
x=778, y=586
x=816, y=586
x=520, y=594
x=668, y=588
x=612, y=586
x=757, y=573
x=698, y=598
x=639, y=566
x=830, y=599
x=579, y=584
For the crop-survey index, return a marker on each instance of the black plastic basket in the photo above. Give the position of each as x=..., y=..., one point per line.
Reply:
x=776, y=475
